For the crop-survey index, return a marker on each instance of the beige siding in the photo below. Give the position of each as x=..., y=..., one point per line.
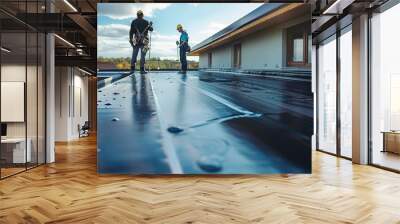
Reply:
x=203, y=61
x=222, y=57
x=264, y=49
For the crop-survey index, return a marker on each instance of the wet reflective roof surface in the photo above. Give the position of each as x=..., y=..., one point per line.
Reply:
x=204, y=123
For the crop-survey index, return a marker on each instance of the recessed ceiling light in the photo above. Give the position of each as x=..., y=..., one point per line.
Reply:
x=70, y=5
x=337, y=7
x=64, y=40
x=86, y=72
x=5, y=50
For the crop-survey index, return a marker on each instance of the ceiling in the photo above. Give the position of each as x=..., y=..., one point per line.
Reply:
x=74, y=22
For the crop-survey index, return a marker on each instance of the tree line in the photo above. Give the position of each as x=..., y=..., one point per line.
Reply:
x=154, y=63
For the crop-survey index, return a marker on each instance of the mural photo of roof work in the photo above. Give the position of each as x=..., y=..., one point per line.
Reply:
x=204, y=92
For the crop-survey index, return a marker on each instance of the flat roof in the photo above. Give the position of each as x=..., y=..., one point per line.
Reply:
x=259, y=12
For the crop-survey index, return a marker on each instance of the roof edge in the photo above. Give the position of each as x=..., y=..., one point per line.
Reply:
x=252, y=16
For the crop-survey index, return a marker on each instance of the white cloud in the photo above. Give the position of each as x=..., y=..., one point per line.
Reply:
x=199, y=35
x=112, y=40
x=113, y=30
x=128, y=10
x=213, y=28
x=113, y=47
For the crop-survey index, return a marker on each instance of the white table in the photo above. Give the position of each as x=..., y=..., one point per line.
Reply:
x=19, y=153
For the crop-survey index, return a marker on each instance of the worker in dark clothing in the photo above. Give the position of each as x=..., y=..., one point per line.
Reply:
x=183, y=45
x=138, y=38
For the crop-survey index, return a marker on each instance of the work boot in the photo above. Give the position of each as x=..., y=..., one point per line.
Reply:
x=142, y=71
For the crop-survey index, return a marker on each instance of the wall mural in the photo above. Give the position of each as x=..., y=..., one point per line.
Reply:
x=197, y=88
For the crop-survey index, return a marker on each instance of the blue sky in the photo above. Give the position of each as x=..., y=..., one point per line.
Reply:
x=200, y=20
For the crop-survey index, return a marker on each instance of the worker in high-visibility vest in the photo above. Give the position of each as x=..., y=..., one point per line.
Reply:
x=183, y=45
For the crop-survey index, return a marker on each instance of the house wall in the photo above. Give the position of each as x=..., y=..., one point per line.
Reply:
x=222, y=57
x=203, y=61
x=265, y=49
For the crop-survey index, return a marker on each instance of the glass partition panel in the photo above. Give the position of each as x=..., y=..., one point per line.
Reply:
x=14, y=154
x=32, y=88
x=31, y=98
x=327, y=96
x=385, y=89
x=346, y=93
x=41, y=99
x=22, y=77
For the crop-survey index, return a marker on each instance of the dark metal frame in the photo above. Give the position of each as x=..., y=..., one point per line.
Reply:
x=338, y=153
x=338, y=97
x=289, y=45
x=369, y=77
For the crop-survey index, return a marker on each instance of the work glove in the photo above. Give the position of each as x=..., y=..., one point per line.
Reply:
x=177, y=42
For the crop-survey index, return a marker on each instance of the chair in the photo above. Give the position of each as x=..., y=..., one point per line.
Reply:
x=84, y=130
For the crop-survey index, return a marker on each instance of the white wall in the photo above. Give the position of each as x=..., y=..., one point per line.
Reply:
x=61, y=103
x=33, y=125
x=17, y=73
x=261, y=50
x=80, y=94
x=71, y=87
x=265, y=49
x=203, y=61
x=222, y=57
x=10, y=73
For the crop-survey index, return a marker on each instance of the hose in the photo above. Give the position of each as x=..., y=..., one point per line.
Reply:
x=177, y=54
x=148, y=67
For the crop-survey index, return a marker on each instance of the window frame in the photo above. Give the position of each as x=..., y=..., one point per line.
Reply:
x=291, y=34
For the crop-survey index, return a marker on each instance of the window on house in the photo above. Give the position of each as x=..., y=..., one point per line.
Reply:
x=237, y=55
x=298, y=45
x=298, y=50
x=210, y=60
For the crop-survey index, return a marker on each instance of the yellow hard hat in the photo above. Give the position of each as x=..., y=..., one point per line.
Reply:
x=179, y=26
